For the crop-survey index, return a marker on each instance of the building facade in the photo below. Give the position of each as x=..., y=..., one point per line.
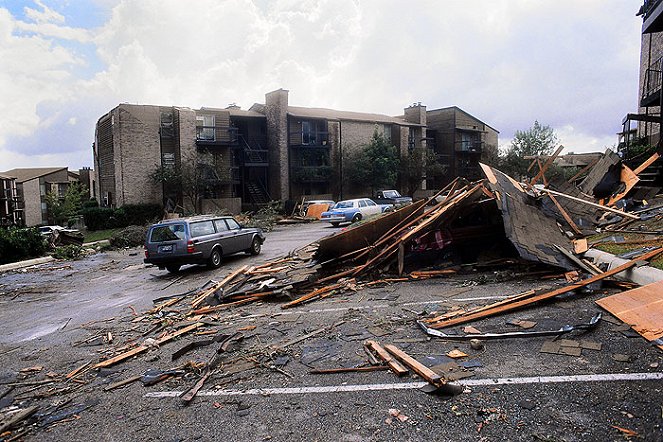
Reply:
x=11, y=213
x=273, y=151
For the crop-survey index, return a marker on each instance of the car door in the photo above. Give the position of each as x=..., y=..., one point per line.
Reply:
x=241, y=240
x=203, y=236
x=224, y=236
x=372, y=208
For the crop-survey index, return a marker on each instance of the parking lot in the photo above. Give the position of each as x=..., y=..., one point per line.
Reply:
x=513, y=390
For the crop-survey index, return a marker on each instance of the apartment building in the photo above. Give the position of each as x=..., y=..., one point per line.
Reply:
x=11, y=213
x=272, y=151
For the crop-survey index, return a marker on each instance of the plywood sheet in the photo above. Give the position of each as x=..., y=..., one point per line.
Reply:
x=315, y=210
x=641, y=308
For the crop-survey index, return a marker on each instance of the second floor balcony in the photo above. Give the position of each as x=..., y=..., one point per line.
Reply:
x=651, y=85
x=216, y=135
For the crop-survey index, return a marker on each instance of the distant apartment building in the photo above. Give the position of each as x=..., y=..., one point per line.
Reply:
x=10, y=212
x=30, y=187
x=273, y=151
x=460, y=140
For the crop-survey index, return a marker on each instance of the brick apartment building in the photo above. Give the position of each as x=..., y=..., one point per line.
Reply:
x=273, y=151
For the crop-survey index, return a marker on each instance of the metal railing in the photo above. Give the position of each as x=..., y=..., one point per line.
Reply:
x=652, y=81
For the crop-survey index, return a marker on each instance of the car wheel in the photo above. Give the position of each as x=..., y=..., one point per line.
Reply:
x=356, y=218
x=335, y=224
x=255, y=247
x=173, y=268
x=215, y=258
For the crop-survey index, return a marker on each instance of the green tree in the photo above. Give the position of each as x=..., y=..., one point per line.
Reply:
x=537, y=140
x=375, y=164
x=62, y=209
x=418, y=164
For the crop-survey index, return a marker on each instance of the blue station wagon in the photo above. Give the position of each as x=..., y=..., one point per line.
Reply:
x=199, y=240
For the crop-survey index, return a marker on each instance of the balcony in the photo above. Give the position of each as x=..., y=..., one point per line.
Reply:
x=216, y=135
x=652, y=14
x=310, y=139
x=469, y=146
x=651, y=86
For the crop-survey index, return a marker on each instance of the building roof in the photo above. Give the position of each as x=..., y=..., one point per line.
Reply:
x=235, y=111
x=456, y=108
x=6, y=177
x=27, y=174
x=331, y=114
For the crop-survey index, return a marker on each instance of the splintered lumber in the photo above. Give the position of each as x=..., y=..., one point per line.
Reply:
x=431, y=273
x=565, y=215
x=307, y=336
x=599, y=206
x=122, y=383
x=545, y=167
x=17, y=418
x=196, y=302
x=641, y=308
x=416, y=366
x=648, y=162
x=311, y=295
x=394, y=365
x=583, y=170
x=506, y=301
x=141, y=348
x=216, y=308
x=576, y=260
x=547, y=295
x=349, y=370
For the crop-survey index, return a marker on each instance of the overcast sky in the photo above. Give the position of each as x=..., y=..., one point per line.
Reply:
x=572, y=65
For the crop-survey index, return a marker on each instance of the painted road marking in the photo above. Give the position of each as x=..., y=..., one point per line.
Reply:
x=610, y=377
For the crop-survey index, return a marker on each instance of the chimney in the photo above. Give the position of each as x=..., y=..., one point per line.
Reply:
x=416, y=114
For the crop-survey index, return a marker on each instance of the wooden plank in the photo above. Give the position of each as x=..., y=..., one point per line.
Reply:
x=576, y=260
x=565, y=215
x=630, y=179
x=589, y=203
x=415, y=365
x=141, y=348
x=551, y=294
x=196, y=302
x=311, y=295
x=641, y=308
x=580, y=246
x=545, y=167
x=648, y=162
x=122, y=383
x=394, y=365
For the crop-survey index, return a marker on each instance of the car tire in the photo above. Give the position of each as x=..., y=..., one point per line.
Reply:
x=335, y=224
x=356, y=218
x=214, y=260
x=173, y=268
x=255, y=248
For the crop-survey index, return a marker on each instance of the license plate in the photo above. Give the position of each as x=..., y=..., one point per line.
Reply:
x=168, y=248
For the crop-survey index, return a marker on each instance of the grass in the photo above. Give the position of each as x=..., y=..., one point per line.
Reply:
x=99, y=235
x=632, y=239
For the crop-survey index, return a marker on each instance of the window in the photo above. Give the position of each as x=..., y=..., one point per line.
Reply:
x=220, y=225
x=386, y=132
x=202, y=228
x=172, y=232
x=205, y=127
x=370, y=203
x=362, y=203
x=469, y=141
x=167, y=129
x=232, y=224
x=313, y=132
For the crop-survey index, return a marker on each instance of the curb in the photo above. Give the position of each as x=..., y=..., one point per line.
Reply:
x=26, y=263
x=642, y=275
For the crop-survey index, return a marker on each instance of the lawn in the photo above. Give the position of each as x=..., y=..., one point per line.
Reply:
x=99, y=235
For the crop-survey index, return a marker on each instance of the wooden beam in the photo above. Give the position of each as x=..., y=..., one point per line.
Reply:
x=416, y=366
x=548, y=163
x=394, y=365
x=547, y=295
x=311, y=295
x=141, y=348
x=648, y=162
x=565, y=215
x=349, y=370
x=589, y=203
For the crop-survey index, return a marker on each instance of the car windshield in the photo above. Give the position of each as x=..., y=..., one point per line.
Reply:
x=171, y=232
x=343, y=205
x=390, y=194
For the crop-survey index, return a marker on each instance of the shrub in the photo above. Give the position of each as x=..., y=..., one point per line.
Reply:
x=264, y=218
x=132, y=236
x=101, y=218
x=18, y=244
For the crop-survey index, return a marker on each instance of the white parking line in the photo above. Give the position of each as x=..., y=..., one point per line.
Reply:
x=610, y=377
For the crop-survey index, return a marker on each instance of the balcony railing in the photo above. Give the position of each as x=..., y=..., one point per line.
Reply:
x=469, y=146
x=313, y=139
x=216, y=135
x=651, y=87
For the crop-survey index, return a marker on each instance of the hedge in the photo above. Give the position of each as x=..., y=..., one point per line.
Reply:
x=100, y=218
x=19, y=244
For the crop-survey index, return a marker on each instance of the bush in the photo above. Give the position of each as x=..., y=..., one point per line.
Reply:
x=132, y=236
x=264, y=218
x=18, y=244
x=71, y=251
x=101, y=218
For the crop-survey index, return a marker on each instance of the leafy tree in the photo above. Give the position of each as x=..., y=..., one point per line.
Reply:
x=61, y=210
x=418, y=164
x=193, y=177
x=374, y=164
x=537, y=140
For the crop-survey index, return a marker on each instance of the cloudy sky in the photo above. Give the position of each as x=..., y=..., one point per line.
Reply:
x=569, y=64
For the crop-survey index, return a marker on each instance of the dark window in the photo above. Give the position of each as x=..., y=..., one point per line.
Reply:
x=172, y=232
x=167, y=128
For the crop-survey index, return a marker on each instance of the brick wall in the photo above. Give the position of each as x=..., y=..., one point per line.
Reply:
x=651, y=50
x=276, y=112
x=31, y=202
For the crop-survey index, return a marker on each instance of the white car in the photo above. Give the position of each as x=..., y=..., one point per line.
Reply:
x=352, y=211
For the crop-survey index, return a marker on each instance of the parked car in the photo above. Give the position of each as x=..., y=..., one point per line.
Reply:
x=353, y=211
x=199, y=240
x=392, y=197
